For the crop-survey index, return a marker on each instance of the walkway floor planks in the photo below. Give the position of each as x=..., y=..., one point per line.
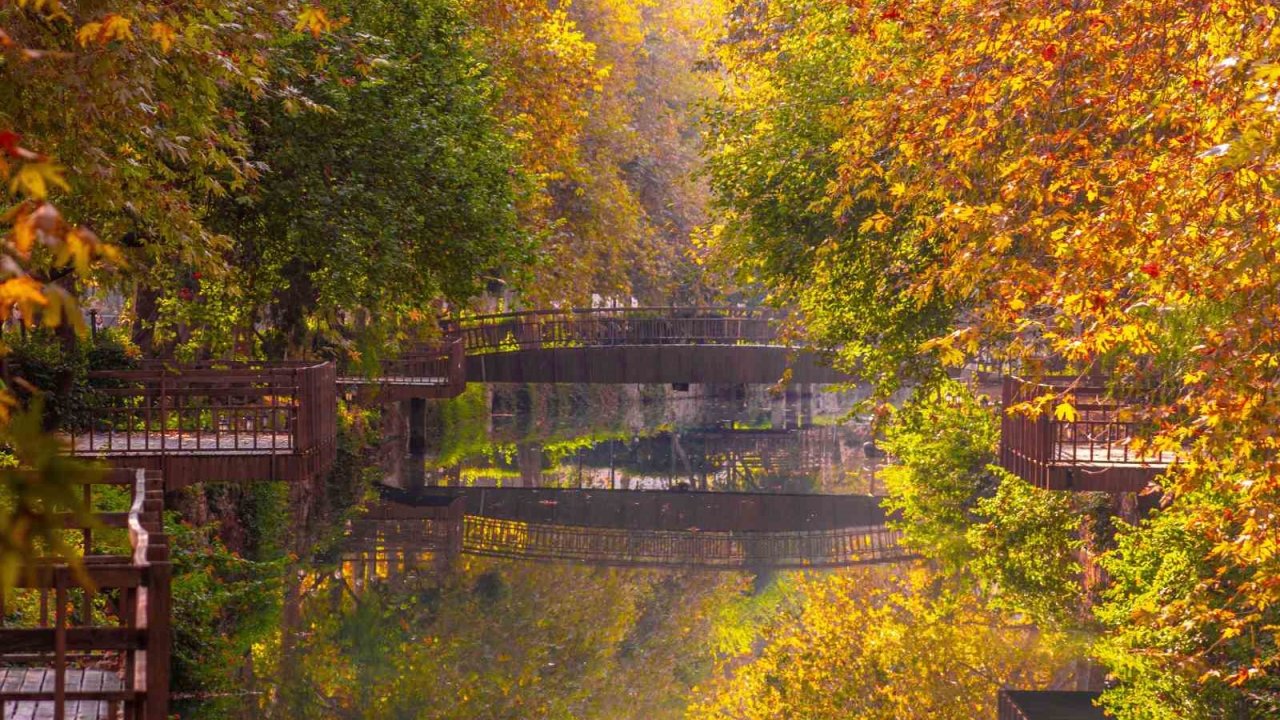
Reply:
x=33, y=680
x=186, y=442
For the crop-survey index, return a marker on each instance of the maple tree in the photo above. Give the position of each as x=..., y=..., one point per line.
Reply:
x=606, y=140
x=1092, y=182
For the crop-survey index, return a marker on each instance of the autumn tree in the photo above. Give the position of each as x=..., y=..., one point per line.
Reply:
x=1091, y=183
x=881, y=642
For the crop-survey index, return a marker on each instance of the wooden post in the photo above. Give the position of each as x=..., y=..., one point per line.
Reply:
x=159, y=636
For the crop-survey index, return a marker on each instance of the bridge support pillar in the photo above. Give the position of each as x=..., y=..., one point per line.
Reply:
x=415, y=473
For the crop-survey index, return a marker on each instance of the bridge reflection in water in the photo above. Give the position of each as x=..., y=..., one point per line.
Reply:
x=707, y=531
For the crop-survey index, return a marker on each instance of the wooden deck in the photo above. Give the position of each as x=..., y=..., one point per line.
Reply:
x=16, y=682
x=1094, y=452
x=62, y=658
x=213, y=421
x=117, y=444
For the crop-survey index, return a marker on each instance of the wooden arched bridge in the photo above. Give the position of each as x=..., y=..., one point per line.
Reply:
x=636, y=345
x=710, y=531
x=667, y=345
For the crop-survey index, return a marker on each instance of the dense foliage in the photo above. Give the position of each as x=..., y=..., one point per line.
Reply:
x=496, y=639
x=886, y=644
x=1091, y=183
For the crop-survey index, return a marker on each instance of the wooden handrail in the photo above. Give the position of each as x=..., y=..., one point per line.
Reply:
x=651, y=310
x=140, y=641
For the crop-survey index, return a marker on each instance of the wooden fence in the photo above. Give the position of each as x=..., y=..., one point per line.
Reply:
x=1093, y=451
x=213, y=421
x=99, y=644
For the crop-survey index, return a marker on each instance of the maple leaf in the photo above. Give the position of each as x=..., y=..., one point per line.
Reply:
x=163, y=34
x=111, y=27
x=1066, y=412
x=9, y=142
x=314, y=20
x=34, y=179
x=1151, y=268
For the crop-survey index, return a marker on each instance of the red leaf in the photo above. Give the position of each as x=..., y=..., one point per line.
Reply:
x=1049, y=52
x=9, y=142
x=1151, y=268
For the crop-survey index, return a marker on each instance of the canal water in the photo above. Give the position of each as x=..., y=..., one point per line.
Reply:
x=364, y=632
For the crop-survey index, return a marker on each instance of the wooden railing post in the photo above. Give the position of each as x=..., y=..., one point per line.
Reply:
x=159, y=635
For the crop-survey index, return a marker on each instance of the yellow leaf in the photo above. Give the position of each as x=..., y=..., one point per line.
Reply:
x=313, y=20
x=88, y=33
x=163, y=34
x=116, y=27
x=1065, y=411
x=112, y=27
x=21, y=290
x=24, y=234
x=33, y=180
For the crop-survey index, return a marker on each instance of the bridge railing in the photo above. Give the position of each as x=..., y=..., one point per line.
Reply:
x=667, y=548
x=219, y=408
x=93, y=639
x=600, y=327
x=441, y=363
x=445, y=362
x=1094, y=450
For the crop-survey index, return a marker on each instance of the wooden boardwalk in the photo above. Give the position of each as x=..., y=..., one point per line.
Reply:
x=29, y=681
x=1094, y=452
x=212, y=442
x=94, y=641
x=213, y=421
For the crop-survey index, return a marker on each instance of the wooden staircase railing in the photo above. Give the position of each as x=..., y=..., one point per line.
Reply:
x=106, y=649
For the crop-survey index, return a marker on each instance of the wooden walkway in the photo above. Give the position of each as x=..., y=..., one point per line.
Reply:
x=1093, y=452
x=17, y=681
x=94, y=641
x=216, y=421
x=212, y=442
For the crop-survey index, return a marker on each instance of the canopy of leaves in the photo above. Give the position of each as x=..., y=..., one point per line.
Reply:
x=788, y=68
x=1092, y=182
x=397, y=192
